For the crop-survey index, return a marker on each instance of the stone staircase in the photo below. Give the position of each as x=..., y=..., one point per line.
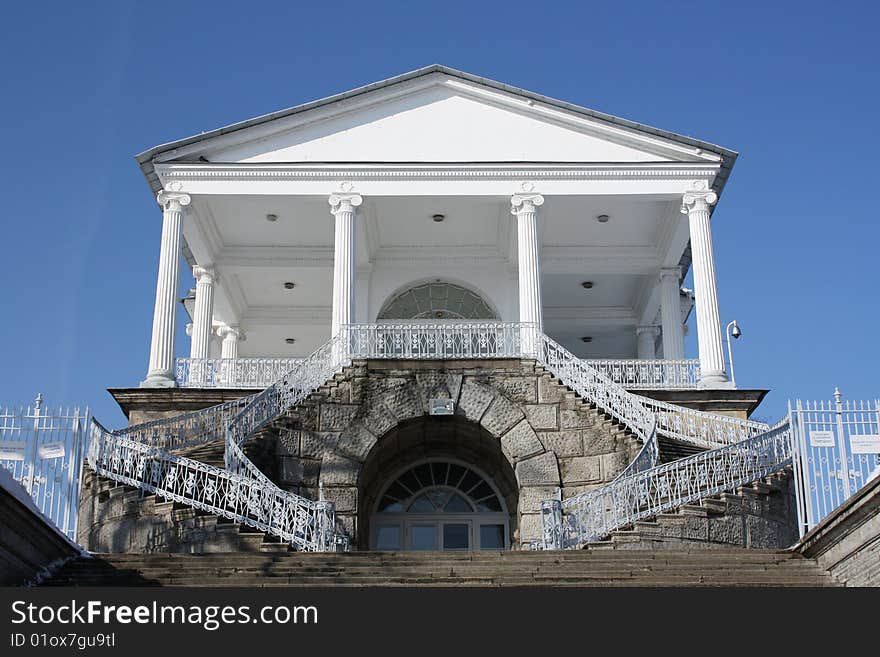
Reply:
x=758, y=515
x=141, y=521
x=581, y=568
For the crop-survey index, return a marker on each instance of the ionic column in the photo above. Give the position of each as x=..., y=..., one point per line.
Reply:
x=204, y=312
x=230, y=336
x=344, y=208
x=696, y=205
x=670, y=313
x=525, y=208
x=646, y=337
x=160, y=373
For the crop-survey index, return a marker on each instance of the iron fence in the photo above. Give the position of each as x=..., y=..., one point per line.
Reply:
x=44, y=450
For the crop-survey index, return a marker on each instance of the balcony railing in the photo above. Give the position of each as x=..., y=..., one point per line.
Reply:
x=476, y=341
x=256, y=373
x=651, y=374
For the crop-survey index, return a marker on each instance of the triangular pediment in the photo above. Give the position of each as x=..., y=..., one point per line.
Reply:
x=434, y=117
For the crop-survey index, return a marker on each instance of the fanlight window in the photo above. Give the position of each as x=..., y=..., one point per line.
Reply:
x=440, y=487
x=437, y=301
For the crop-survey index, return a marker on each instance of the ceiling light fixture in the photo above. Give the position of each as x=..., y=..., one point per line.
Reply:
x=272, y=217
x=587, y=285
x=603, y=218
x=438, y=218
x=290, y=340
x=587, y=338
x=289, y=285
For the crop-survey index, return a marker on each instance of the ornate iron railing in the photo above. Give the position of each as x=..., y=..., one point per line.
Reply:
x=593, y=515
x=446, y=340
x=650, y=374
x=232, y=372
x=139, y=456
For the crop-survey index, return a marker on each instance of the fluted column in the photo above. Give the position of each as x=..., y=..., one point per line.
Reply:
x=344, y=208
x=160, y=373
x=646, y=338
x=696, y=205
x=230, y=336
x=525, y=208
x=670, y=313
x=204, y=312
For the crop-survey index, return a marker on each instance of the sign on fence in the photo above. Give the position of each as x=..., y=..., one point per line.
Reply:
x=836, y=450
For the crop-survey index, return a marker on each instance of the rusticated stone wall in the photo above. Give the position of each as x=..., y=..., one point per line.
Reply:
x=543, y=435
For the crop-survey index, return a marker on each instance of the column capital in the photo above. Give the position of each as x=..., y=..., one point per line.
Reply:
x=670, y=272
x=653, y=331
x=344, y=202
x=525, y=203
x=173, y=200
x=230, y=332
x=204, y=274
x=700, y=197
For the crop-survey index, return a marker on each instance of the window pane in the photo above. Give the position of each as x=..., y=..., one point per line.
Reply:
x=421, y=505
x=409, y=480
x=439, y=470
x=492, y=537
x=470, y=480
x=397, y=491
x=481, y=491
x=438, y=497
x=489, y=504
x=457, y=504
x=390, y=505
x=423, y=472
x=455, y=474
x=423, y=537
x=388, y=537
x=456, y=537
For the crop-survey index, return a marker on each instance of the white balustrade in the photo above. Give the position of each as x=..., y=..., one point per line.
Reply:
x=232, y=372
x=650, y=374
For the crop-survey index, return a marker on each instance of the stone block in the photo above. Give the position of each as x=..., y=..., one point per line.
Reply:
x=291, y=470
x=378, y=419
x=288, y=442
x=335, y=417
x=475, y=399
x=501, y=416
x=530, y=497
x=576, y=418
x=530, y=528
x=313, y=444
x=562, y=443
x=541, y=470
x=437, y=384
x=519, y=389
x=581, y=470
x=403, y=401
x=344, y=497
x=550, y=390
x=521, y=442
x=613, y=464
x=356, y=442
x=542, y=416
x=337, y=470
x=727, y=529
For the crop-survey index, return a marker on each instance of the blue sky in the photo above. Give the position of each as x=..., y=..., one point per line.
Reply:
x=792, y=86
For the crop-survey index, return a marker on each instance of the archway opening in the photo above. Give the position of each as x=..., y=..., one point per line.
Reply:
x=437, y=483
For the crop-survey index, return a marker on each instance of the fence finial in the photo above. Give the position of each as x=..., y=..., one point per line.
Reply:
x=837, y=394
x=38, y=401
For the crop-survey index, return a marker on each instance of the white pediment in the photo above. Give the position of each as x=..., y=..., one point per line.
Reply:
x=439, y=119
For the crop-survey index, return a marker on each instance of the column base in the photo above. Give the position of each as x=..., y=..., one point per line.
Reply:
x=158, y=381
x=715, y=381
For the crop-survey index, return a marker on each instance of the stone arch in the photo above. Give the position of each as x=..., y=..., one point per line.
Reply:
x=394, y=403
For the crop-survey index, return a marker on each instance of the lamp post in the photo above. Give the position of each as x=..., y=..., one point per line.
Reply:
x=732, y=330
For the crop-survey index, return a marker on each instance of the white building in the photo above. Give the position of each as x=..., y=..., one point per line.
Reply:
x=431, y=197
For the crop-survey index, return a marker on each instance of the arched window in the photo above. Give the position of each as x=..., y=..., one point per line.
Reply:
x=440, y=505
x=437, y=300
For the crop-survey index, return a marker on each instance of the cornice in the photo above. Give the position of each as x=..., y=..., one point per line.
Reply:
x=180, y=172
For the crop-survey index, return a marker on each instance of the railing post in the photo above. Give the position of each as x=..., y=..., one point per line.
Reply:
x=551, y=522
x=841, y=438
x=325, y=526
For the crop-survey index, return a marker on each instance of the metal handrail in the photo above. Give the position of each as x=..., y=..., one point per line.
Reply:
x=141, y=455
